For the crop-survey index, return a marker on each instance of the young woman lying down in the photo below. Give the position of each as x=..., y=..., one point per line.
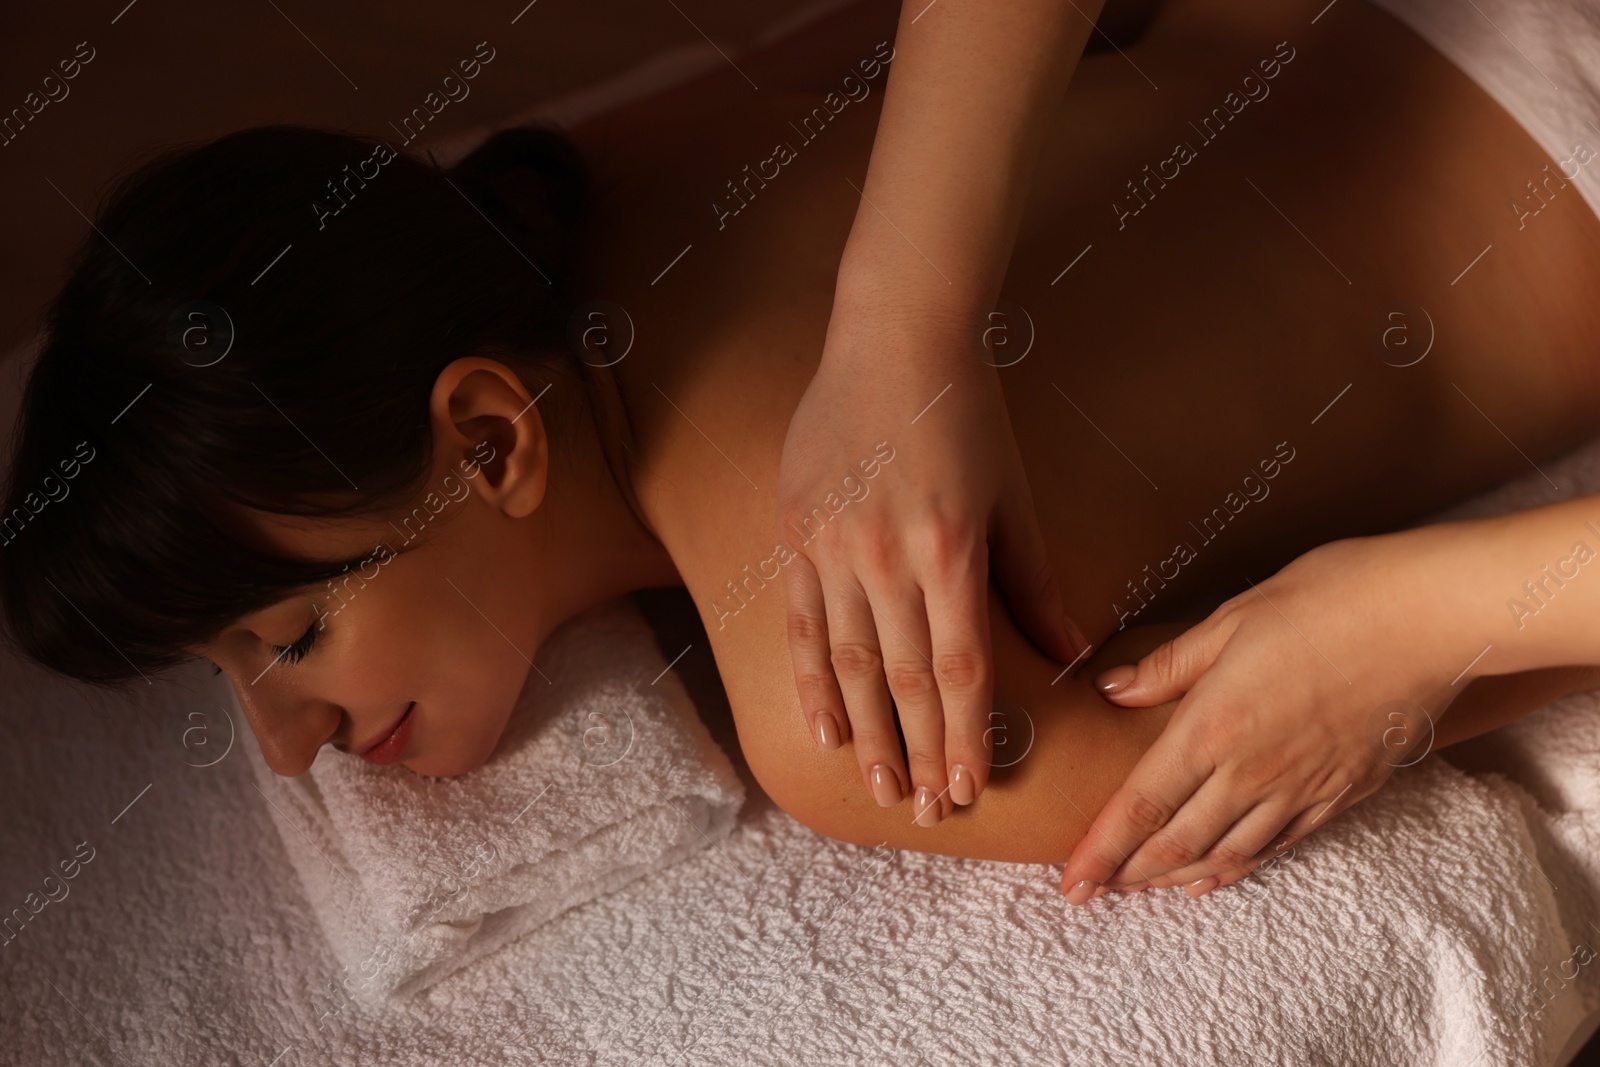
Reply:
x=362, y=431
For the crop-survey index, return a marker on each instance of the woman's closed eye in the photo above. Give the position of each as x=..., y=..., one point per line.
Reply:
x=296, y=652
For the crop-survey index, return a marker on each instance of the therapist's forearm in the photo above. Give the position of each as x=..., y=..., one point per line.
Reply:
x=1522, y=588
x=971, y=92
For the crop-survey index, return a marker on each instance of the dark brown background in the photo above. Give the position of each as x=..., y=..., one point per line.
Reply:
x=179, y=70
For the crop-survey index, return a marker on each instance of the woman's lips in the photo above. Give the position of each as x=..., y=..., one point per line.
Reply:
x=393, y=745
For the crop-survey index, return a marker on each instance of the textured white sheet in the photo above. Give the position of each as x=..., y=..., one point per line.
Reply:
x=1409, y=931
x=604, y=773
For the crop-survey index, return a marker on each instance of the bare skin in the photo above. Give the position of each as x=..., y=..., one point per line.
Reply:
x=1198, y=340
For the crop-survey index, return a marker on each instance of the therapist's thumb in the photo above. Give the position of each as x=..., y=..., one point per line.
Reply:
x=1166, y=673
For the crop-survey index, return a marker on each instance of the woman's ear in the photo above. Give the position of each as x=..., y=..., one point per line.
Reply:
x=485, y=421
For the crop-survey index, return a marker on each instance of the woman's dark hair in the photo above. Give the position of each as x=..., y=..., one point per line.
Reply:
x=259, y=321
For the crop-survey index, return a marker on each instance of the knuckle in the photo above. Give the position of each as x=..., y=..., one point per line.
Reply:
x=878, y=547
x=910, y=681
x=1164, y=661
x=1147, y=814
x=1256, y=770
x=946, y=541
x=854, y=661
x=806, y=629
x=1171, y=853
x=921, y=753
x=1229, y=857
x=963, y=668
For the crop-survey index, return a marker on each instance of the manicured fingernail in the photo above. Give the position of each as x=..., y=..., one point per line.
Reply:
x=885, y=786
x=827, y=730
x=1082, y=892
x=1203, y=886
x=962, y=786
x=926, y=807
x=1103, y=889
x=1136, y=887
x=1116, y=678
x=1080, y=643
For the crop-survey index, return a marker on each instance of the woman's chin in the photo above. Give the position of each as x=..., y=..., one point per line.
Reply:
x=447, y=765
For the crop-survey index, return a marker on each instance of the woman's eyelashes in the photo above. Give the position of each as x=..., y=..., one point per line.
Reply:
x=296, y=652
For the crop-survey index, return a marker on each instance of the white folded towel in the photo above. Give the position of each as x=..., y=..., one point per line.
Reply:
x=604, y=773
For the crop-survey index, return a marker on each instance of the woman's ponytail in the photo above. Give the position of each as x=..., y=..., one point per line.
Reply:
x=533, y=184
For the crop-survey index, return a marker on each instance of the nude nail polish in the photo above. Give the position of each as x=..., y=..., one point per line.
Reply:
x=1116, y=678
x=885, y=786
x=927, y=807
x=827, y=730
x=1203, y=886
x=963, y=789
x=1081, y=892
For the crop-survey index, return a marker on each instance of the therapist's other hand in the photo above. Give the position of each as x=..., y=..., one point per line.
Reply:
x=888, y=593
x=1298, y=698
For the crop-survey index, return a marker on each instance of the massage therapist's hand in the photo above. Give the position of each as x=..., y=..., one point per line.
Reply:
x=1288, y=712
x=890, y=598
x=888, y=594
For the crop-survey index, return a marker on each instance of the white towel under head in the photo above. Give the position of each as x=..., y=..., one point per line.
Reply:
x=604, y=773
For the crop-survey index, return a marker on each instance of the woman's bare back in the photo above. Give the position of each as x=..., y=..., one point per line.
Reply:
x=1211, y=382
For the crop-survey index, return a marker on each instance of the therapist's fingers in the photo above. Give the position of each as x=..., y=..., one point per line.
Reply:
x=1202, y=886
x=1025, y=576
x=902, y=620
x=1281, y=848
x=957, y=595
x=857, y=658
x=820, y=698
x=1280, y=851
x=1166, y=776
x=1238, y=845
x=1167, y=671
x=1188, y=835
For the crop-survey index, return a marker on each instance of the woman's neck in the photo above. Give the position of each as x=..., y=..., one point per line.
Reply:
x=596, y=520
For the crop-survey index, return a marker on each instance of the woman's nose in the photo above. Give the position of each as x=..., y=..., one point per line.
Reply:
x=290, y=730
